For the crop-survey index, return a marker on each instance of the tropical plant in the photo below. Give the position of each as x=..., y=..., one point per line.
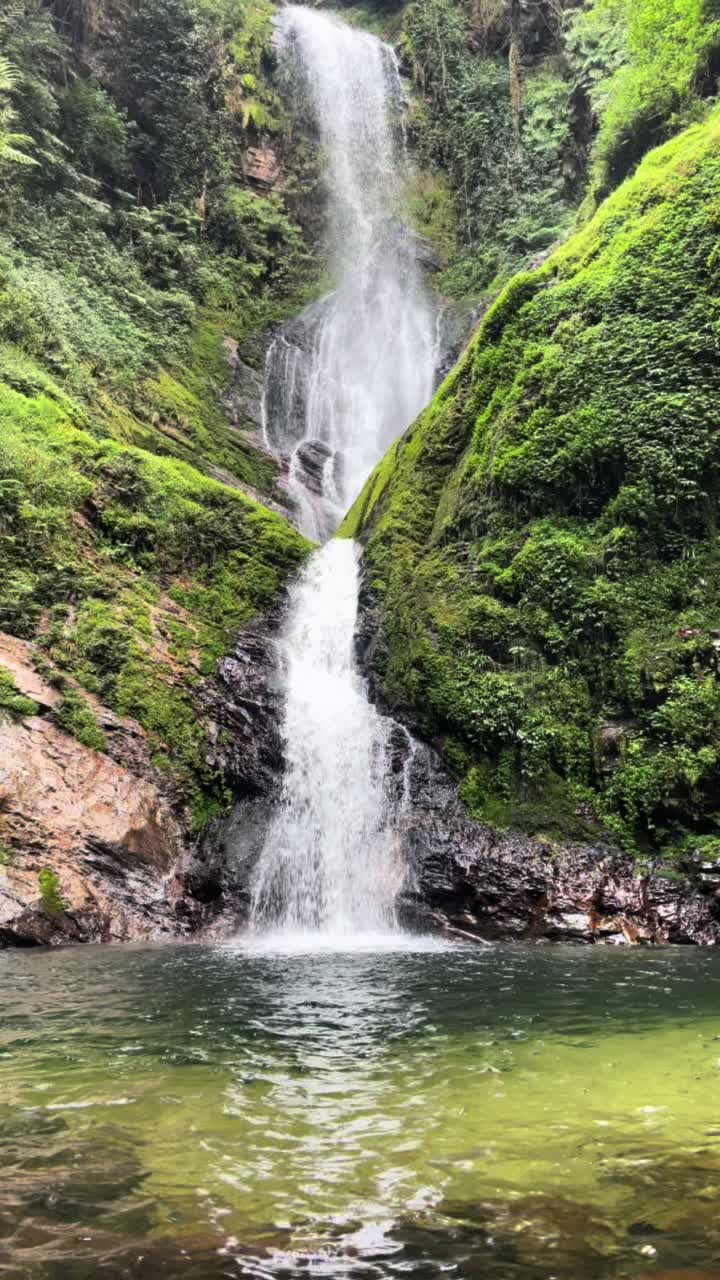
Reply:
x=11, y=141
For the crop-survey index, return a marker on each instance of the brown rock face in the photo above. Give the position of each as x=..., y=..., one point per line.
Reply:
x=99, y=823
x=108, y=827
x=108, y=836
x=261, y=167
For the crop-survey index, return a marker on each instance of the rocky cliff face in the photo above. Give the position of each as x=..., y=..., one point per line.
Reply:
x=123, y=865
x=94, y=846
x=469, y=880
x=90, y=841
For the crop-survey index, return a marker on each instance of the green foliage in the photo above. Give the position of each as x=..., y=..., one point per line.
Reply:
x=595, y=86
x=75, y=716
x=51, y=899
x=511, y=200
x=646, y=64
x=12, y=143
x=130, y=230
x=130, y=252
x=13, y=704
x=104, y=545
x=258, y=231
x=543, y=541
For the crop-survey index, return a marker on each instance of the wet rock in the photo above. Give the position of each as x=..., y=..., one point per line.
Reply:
x=424, y=253
x=467, y=878
x=108, y=834
x=261, y=167
x=311, y=459
x=243, y=399
x=612, y=739
x=456, y=324
x=108, y=825
x=244, y=705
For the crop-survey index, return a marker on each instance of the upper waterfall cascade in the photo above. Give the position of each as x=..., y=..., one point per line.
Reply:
x=341, y=384
x=346, y=379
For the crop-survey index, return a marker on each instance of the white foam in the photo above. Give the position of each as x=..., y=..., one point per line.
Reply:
x=308, y=942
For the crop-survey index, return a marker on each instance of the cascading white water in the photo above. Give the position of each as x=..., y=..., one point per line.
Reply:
x=329, y=858
x=341, y=384
x=359, y=366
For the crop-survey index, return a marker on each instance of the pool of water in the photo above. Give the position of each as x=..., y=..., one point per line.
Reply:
x=256, y=1112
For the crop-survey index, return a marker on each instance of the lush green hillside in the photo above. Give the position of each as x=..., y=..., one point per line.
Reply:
x=525, y=111
x=159, y=201
x=133, y=246
x=542, y=544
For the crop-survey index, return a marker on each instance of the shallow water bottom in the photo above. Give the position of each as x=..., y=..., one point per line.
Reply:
x=257, y=1110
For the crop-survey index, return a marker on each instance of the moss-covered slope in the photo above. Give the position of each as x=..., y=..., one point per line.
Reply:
x=139, y=247
x=131, y=572
x=542, y=543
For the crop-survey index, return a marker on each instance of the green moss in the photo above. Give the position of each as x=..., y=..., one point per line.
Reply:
x=51, y=899
x=430, y=209
x=98, y=539
x=74, y=715
x=543, y=539
x=132, y=258
x=659, y=55
x=13, y=704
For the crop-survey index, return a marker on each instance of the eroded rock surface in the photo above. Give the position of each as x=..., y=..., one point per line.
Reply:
x=467, y=879
x=99, y=823
x=123, y=864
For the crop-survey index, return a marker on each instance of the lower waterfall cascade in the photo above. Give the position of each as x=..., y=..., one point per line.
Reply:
x=329, y=859
x=341, y=384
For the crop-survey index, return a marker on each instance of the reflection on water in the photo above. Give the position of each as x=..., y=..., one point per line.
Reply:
x=233, y=1111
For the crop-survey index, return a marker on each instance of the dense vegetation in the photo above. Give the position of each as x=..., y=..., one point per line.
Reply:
x=131, y=246
x=543, y=541
x=511, y=96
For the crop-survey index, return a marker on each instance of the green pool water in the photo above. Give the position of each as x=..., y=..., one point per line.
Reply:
x=494, y=1112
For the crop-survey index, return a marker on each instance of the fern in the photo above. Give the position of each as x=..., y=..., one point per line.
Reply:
x=10, y=140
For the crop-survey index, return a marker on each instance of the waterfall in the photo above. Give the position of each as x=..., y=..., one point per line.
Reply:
x=341, y=383
x=346, y=379
x=329, y=856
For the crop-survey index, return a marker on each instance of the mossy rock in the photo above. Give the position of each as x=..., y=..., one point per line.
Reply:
x=543, y=539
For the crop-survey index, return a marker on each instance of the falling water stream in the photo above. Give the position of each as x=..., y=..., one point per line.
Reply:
x=341, y=385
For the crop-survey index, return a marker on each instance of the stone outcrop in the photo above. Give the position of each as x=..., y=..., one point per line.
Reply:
x=469, y=880
x=126, y=868
x=261, y=168
x=466, y=879
x=122, y=862
x=102, y=824
x=245, y=706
